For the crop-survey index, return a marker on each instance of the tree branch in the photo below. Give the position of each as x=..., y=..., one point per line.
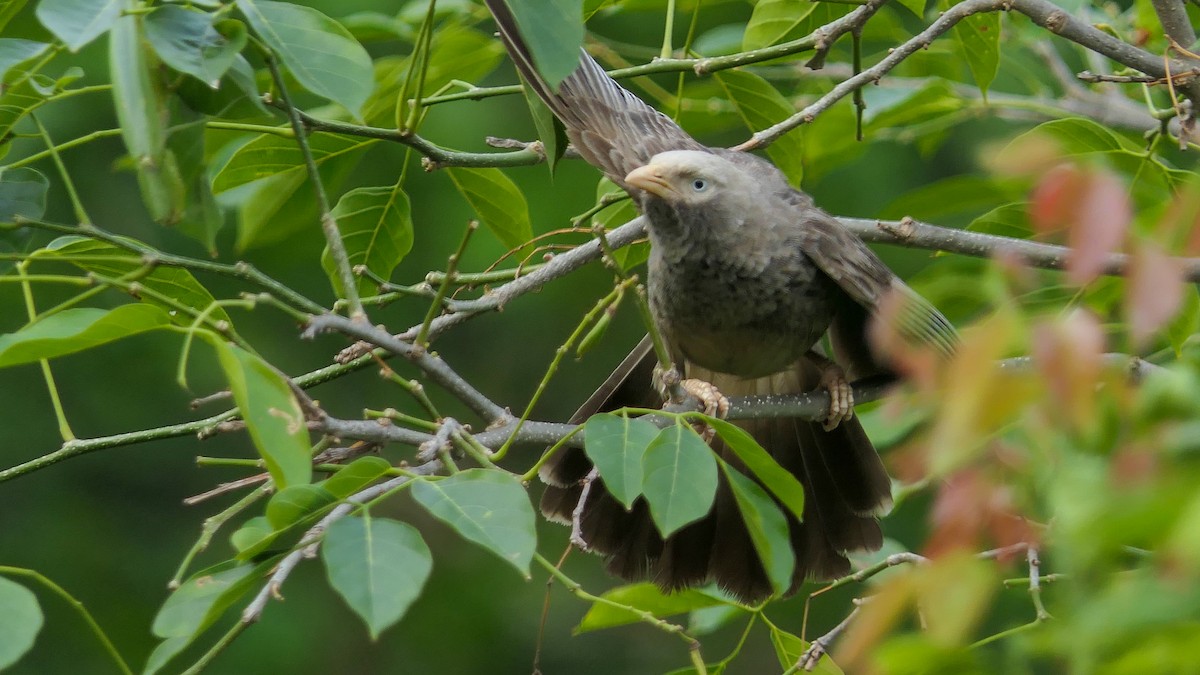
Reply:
x=1044, y=13
x=1175, y=22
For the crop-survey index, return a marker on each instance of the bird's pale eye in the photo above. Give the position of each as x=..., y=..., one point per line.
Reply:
x=699, y=184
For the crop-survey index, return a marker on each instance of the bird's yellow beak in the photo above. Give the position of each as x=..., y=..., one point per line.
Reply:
x=652, y=179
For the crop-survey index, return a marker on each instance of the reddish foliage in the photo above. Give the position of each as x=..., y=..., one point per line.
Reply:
x=1154, y=293
x=969, y=506
x=1092, y=205
x=1069, y=354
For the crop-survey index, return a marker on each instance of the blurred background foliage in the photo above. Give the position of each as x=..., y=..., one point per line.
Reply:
x=1066, y=452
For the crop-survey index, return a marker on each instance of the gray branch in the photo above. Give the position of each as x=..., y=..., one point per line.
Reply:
x=1044, y=13
x=1172, y=14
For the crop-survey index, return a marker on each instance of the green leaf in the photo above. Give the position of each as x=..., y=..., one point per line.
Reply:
x=1187, y=322
x=253, y=536
x=21, y=92
x=680, y=478
x=775, y=21
x=708, y=620
x=201, y=600
x=20, y=620
x=14, y=51
x=488, y=507
x=979, y=37
x=458, y=53
x=615, y=215
x=22, y=194
x=269, y=156
x=553, y=31
x=176, y=283
x=377, y=231
x=9, y=9
x=781, y=483
x=497, y=201
x=141, y=110
x=319, y=52
x=78, y=22
x=197, y=604
x=378, y=566
x=767, y=526
x=186, y=40
x=616, y=444
x=356, y=476
x=272, y=414
x=645, y=597
x=760, y=105
x=75, y=330
x=549, y=128
x=291, y=504
x=915, y=6
x=1077, y=136
x=789, y=649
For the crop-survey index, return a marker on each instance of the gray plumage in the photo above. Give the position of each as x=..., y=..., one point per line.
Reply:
x=745, y=277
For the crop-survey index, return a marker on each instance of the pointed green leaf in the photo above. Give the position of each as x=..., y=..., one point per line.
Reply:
x=377, y=231
x=775, y=21
x=20, y=621
x=176, y=283
x=979, y=37
x=357, y=475
x=9, y=9
x=21, y=92
x=497, y=201
x=202, y=599
x=74, y=330
x=616, y=215
x=553, y=30
x=142, y=112
x=767, y=526
x=616, y=444
x=549, y=128
x=488, y=507
x=186, y=40
x=198, y=603
x=1187, y=322
x=252, y=536
x=642, y=596
x=458, y=53
x=272, y=414
x=322, y=55
x=78, y=22
x=680, y=478
x=789, y=649
x=269, y=155
x=778, y=480
x=22, y=193
x=378, y=566
x=14, y=51
x=293, y=503
x=760, y=105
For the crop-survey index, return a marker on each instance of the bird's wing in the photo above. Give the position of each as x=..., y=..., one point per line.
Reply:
x=866, y=279
x=609, y=126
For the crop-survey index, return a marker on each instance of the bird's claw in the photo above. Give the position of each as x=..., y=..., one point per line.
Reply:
x=715, y=403
x=841, y=397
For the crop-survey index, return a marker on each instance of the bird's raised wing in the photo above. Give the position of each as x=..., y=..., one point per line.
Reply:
x=610, y=127
x=860, y=273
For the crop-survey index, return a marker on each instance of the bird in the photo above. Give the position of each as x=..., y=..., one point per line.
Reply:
x=745, y=277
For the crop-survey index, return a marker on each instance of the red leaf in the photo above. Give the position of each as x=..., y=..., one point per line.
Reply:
x=1069, y=354
x=1154, y=292
x=1092, y=206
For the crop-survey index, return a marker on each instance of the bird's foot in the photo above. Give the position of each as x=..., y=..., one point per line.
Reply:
x=714, y=402
x=841, y=396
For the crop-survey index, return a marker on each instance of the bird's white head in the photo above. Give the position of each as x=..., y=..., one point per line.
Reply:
x=684, y=176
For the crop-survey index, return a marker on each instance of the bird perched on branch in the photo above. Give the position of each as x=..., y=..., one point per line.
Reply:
x=745, y=277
